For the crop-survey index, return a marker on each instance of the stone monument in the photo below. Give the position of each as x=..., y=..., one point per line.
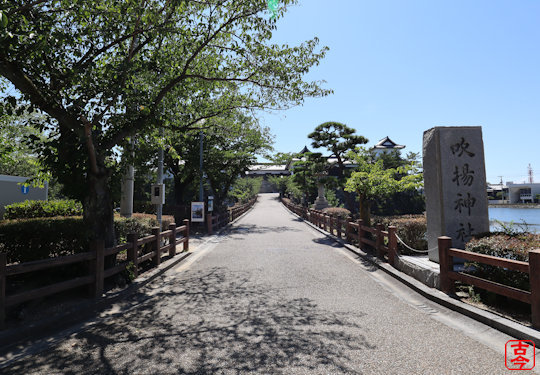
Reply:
x=320, y=203
x=455, y=185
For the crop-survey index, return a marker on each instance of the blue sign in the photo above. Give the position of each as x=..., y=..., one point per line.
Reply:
x=25, y=189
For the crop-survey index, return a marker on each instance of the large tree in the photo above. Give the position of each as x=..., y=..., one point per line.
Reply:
x=371, y=180
x=339, y=139
x=105, y=70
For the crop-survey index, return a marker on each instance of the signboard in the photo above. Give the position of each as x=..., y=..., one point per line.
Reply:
x=25, y=189
x=158, y=194
x=210, y=204
x=197, y=212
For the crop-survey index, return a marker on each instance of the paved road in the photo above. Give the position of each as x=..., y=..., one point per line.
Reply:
x=272, y=296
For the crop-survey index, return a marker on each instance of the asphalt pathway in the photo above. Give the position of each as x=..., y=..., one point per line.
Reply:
x=271, y=296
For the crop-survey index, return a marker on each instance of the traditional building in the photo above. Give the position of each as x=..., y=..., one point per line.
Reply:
x=386, y=145
x=265, y=170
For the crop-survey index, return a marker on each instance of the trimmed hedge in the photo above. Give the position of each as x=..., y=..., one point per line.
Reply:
x=34, y=209
x=342, y=213
x=506, y=246
x=410, y=228
x=25, y=240
x=32, y=239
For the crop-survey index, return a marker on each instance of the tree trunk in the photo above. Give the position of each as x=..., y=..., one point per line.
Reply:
x=365, y=214
x=98, y=211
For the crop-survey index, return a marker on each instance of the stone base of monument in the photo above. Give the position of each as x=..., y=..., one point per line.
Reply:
x=420, y=268
x=321, y=203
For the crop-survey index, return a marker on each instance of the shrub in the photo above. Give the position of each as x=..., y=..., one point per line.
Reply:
x=245, y=189
x=34, y=209
x=26, y=240
x=141, y=224
x=144, y=206
x=342, y=213
x=515, y=247
x=32, y=239
x=410, y=228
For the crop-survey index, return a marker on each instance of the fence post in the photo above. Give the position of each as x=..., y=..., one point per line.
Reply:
x=186, y=234
x=360, y=233
x=379, y=241
x=327, y=222
x=132, y=252
x=3, y=262
x=392, y=245
x=209, y=223
x=348, y=231
x=534, y=281
x=156, y=231
x=446, y=264
x=338, y=220
x=172, y=240
x=97, y=247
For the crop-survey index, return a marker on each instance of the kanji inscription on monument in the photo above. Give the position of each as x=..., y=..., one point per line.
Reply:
x=455, y=185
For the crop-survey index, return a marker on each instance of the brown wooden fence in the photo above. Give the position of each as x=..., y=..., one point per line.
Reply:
x=215, y=222
x=448, y=276
x=159, y=243
x=384, y=242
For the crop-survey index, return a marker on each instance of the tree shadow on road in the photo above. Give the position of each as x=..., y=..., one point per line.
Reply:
x=211, y=322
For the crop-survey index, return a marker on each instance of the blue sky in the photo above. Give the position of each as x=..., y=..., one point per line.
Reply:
x=400, y=67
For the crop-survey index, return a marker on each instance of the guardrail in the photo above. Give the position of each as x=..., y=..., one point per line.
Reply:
x=384, y=242
x=95, y=258
x=448, y=276
x=215, y=222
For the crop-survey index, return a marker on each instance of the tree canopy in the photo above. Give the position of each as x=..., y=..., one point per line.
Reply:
x=372, y=180
x=104, y=70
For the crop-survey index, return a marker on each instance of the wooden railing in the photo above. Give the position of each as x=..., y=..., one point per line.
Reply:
x=215, y=222
x=95, y=258
x=448, y=276
x=384, y=242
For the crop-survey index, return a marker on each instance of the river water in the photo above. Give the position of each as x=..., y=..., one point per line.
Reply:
x=531, y=216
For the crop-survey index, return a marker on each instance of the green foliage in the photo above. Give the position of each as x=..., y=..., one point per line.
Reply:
x=245, y=189
x=512, y=228
x=282, y=157
x=280, y=183
x=294, y=190
x=371, y=180
x=338, y=138
x=17, y=153
x=515, y=247
x=308, y=171
x=145, y=207
x=33, y=239
x=34, y=209
x=141, y=224
x=25, y=240
x=332, y=198
x=411, y=229
x=340, y=212
x=104, y=70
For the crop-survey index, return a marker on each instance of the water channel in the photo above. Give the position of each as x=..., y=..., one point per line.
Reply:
x=530, y=216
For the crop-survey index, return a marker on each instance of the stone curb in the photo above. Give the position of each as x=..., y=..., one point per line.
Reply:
x=497, y=322
x=17, y=335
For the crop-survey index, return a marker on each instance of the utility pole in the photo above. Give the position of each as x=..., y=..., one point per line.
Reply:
x=201, y=138
x=531, y=176
x=126, y=199
x=159, y=206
